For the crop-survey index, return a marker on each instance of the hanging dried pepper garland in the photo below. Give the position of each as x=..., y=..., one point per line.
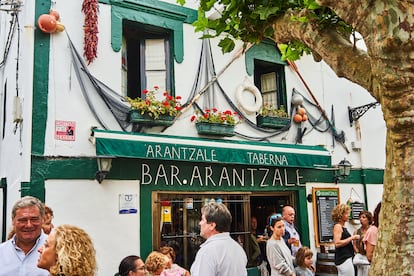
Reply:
x=90, y=27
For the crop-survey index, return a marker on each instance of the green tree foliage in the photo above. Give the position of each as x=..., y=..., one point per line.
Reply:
x=252, y=21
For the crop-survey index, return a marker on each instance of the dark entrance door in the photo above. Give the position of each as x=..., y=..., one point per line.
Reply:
x=262, y=206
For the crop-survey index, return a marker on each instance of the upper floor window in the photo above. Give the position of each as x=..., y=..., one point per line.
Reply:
x=270, y=79
x=146, y=58
x=263, y=61
x=151, y=37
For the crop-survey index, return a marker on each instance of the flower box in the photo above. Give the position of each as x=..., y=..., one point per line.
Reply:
x=153, y=110
x=135, y=116
x=272, y=122
x=215, y=129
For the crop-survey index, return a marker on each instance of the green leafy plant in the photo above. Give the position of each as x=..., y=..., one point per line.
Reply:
x=151, y=105
x=269, y=110
x=216, y=117
x=253, y=21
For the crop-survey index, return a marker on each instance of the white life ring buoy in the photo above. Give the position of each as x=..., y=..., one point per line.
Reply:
x=256, y=93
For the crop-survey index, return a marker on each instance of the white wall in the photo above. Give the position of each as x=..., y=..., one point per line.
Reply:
x=95, y=208
x=328, y=89
x=15, y=141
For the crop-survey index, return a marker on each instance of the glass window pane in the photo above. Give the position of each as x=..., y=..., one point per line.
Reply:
x=269, y=88
x=155, y=67
x=180, y=227
x=154, y=54
x=268, y=82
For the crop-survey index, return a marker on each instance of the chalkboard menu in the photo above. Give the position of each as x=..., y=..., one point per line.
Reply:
x=324, y=201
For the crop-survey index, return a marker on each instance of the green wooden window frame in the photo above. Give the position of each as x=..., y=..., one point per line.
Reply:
x=267, y=52
x=151, y=12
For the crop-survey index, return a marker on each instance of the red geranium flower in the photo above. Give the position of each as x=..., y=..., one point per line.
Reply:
x=151, y=104
x=216, y=117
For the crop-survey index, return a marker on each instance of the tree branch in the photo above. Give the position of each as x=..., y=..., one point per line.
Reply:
x=339, y=53
x=355, y=13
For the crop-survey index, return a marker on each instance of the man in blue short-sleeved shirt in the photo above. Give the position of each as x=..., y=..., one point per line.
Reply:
x=19, y=255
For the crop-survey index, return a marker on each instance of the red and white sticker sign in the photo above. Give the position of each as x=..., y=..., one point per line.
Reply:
x=65, y=130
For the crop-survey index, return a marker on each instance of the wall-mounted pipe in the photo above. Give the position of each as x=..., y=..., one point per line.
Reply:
x=3, y=186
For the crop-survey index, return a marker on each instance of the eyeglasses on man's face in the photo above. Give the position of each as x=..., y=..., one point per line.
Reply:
x=32, y=220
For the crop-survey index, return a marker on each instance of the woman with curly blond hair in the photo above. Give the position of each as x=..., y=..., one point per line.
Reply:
x=344, y=250
x=156, y=263
x=68, y=251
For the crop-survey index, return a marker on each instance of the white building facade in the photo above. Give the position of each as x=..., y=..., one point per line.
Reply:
x=60, y=114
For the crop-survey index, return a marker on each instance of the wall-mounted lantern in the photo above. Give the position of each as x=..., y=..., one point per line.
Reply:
x=104, y=166
x=343, y=170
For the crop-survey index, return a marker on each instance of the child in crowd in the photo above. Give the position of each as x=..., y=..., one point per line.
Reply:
x=172, y=269
x=304, y=262
x=156, y=263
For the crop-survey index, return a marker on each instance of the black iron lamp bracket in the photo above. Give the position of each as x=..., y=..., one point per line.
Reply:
x=357, y=112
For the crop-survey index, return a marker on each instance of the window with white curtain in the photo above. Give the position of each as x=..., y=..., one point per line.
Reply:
x=145, y=59
x=269, y=77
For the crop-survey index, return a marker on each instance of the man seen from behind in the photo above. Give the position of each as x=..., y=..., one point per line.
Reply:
x=219, y=255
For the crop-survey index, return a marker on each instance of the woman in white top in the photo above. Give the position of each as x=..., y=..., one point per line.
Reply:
x=278, y=254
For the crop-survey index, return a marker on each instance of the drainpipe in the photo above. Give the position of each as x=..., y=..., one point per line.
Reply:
x=363, y=178
x=3, y=186
x=364, y=185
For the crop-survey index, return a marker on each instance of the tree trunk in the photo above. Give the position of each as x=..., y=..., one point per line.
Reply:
x=386, y=70
x=394, y=252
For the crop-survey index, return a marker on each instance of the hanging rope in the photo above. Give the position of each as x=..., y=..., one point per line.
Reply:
x=12, y=30
x=206, y=62
x=213, y=80
x=340, y=137
x=115, y=102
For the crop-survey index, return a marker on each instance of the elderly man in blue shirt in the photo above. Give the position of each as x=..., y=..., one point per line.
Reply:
x=291, y=237
x=219, y=255
x=19, y=255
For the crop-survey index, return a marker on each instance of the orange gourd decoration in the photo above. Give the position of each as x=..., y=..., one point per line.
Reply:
x=47, y=23
x=297, y=118
x=301, y=111
x=55, y=14
x=304, y=117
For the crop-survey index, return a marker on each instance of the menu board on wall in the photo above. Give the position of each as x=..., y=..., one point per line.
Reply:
x=324, y=201
x=356, y=208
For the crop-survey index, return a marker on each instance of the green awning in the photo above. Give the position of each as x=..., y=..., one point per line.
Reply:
x=190, y=149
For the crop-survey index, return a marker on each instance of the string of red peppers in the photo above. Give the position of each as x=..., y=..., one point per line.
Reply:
x=90, y=27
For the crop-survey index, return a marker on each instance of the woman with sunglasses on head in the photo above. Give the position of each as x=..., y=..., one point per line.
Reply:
x=278, y=254
x=131, y=266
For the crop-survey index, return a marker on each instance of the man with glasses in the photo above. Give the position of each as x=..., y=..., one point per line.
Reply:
x=19, y=255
